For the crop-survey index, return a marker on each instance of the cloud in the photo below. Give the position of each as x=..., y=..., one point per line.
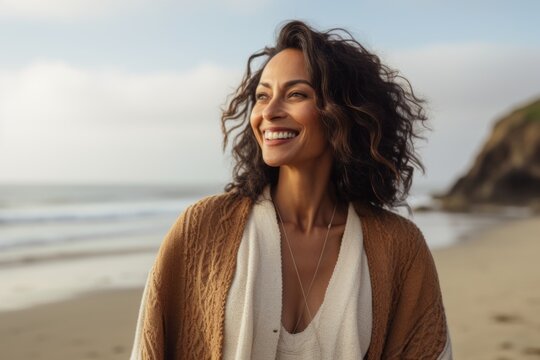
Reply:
x=79, y=9
x=60, y=122
x=63, y=123
x=63, y=9
x=242, y=6
x=468, y=86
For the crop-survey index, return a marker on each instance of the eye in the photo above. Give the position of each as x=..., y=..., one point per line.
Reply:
x=261, y=96
x=296, y=94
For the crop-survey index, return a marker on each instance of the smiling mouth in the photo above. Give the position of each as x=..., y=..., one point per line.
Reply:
x=279, y=135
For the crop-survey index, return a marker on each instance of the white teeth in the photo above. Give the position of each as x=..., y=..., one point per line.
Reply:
x=272, y=135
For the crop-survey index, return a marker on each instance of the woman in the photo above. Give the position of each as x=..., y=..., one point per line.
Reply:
x=299, y=259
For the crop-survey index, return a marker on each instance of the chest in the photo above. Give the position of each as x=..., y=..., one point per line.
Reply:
x=308, y=264
x=262, y=297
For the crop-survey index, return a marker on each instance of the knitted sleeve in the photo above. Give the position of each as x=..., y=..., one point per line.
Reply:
x=154, y=316
x=183, y=307
x=152, y=333
x=418, y=325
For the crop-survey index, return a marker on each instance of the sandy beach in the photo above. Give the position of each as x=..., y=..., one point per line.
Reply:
x=97, y=325
x=491, y=291
x=490, y=285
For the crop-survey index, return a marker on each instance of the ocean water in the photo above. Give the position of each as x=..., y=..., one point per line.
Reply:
x=58, y=241
x=36, y=219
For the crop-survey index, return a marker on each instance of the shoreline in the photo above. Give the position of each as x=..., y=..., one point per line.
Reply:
x=34, y=284
x=490, y=291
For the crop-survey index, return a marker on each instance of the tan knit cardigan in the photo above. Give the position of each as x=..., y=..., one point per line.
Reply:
x=185, y=305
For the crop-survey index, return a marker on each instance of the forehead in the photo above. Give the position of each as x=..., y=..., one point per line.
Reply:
x=286, y=65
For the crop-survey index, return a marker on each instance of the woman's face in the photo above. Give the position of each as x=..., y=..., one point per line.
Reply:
x=285, y=119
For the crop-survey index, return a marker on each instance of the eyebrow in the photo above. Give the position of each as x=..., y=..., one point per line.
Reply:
x=288, y=83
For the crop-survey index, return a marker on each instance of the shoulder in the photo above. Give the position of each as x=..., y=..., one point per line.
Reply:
x=405, y=237
x=217, y=207
x=229, y=200
x=390, y=236
x=209, y=215
x=392, y=226
x=201, y=223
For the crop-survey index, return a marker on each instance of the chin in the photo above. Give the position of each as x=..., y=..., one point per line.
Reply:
x=274, y=162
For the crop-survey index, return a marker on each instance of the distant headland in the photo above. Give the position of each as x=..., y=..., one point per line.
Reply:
x=506, y=171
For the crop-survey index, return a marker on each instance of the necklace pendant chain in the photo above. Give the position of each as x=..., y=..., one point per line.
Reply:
x=304, y=294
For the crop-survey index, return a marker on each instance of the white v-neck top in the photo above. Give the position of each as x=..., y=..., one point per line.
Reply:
x=253, y=328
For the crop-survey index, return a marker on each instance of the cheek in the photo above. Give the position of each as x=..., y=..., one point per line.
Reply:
x=255, y=122
x=318, y=133
x=312, y=122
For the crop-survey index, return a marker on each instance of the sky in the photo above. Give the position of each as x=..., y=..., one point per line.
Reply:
x=130, y=91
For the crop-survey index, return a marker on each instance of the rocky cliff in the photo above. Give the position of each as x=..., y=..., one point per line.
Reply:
x=507, y=169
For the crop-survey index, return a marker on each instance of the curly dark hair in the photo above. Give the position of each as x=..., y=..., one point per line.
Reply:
x=368, y=111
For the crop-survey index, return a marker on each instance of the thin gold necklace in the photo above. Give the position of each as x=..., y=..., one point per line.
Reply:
x=304, y=295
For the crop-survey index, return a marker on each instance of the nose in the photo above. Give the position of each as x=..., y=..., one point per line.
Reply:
x=273, y=109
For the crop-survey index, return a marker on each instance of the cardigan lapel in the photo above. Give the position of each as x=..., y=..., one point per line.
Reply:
x=378, y=262
x=377, y=253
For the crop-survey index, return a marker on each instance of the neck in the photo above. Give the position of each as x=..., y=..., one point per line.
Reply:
x=304, y=196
